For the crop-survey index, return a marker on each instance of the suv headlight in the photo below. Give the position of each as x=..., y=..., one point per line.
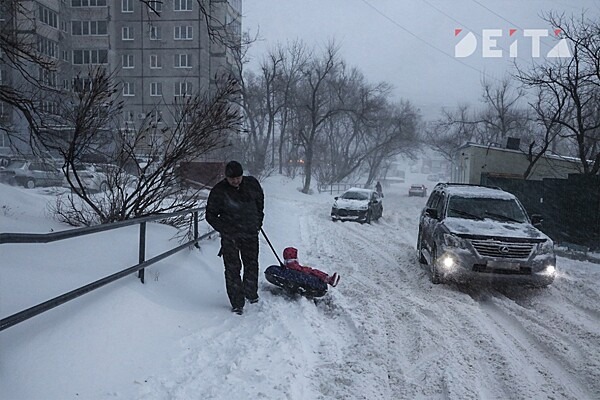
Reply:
x=363, y=207
x=546, y=247
x=451, y=240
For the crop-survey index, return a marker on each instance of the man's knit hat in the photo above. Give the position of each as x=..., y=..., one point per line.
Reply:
x=233, y=169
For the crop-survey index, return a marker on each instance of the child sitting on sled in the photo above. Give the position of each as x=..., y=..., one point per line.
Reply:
x=290, y=260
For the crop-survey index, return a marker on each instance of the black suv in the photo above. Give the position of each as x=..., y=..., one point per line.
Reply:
x=471, y=232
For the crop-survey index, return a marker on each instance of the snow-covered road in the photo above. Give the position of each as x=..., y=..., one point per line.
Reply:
x=385, y=332
x=412, y=339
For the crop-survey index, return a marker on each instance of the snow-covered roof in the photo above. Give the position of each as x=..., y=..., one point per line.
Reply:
x=547, y=155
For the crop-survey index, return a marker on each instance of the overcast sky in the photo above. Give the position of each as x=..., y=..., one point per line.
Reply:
x=411, y=44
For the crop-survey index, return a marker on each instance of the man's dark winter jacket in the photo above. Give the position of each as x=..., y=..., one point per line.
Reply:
x=236, y=212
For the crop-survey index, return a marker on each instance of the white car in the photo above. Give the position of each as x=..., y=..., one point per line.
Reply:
x=90, y=176
x=357, y=204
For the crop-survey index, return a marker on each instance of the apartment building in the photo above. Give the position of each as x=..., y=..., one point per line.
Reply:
x=159, y=51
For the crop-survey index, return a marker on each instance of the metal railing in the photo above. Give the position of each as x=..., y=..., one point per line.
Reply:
x=339, y=187
x=62, y=235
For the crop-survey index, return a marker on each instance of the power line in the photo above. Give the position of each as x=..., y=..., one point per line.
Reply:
x=451, y=17
x=426, y=42
x=475, y=32
x=496, y=14
x=501, y=17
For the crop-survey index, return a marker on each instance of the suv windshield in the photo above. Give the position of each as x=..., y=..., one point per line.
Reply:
x=480, y=208
x=355, y=196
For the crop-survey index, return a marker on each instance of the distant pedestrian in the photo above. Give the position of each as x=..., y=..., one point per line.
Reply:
x=235, y=208
x=379, y=189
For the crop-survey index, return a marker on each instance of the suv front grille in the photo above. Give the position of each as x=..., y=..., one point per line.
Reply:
x=493, y=248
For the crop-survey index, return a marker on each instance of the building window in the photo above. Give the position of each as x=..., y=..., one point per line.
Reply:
x=127, y=33
x=155, y=62
x=48, y=107
x=65, y=84
x=88, y=3
x=183, y=61
x=89, y=28
x=127, y=6
x=4, y=142
x=182, y=5
x=48, y=16
x=156, y=89
x=81, y=84
x=155, y=117
x=129, y=116
x=184, y=33
x=129, y=133
x=155, y=33
x=47, y=77
x=127, y=61
x=155, y=5
x=128, y=89
x=47, y=46
x=183, y=88
x=83, y=57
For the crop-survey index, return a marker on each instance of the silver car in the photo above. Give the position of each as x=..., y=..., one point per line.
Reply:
x=469, y=232
x=32, y=173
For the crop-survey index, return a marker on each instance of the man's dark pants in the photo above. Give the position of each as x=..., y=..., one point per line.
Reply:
x=238, y=289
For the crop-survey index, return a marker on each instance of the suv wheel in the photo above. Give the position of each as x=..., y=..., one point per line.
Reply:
x=436, y=277
x=368, y=217
x=30, y=184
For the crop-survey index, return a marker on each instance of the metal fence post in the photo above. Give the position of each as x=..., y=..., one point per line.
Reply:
x=142, y=256
x=195, y=217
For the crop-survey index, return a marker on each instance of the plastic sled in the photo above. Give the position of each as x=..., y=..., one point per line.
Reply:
x=296, y=281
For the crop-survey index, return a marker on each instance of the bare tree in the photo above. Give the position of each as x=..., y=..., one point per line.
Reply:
x=574, y=85
x=451, y=131
x=548, y=107
x=202, y=123
x=397, y=132
x=502, y=115
x=294, y=56
x=315, y=102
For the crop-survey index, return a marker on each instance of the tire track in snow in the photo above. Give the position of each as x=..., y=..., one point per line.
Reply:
x=361, y=358
x=444, y=335
x=567, y=339
x=542, y=365
x=394, y=287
